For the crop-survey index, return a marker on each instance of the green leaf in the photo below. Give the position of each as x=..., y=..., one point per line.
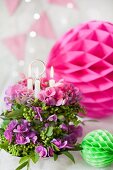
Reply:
x=77, y=147
x=76, y=122
x=55, y=147
x=1, y=131
x=4, y=145
x=16, y=106
x=55, y=157
x=15, y=114
x=49, y=131
x=69, y=155
x=22, y=165
x=35, y=157
x=5, y=123
x=24, y=159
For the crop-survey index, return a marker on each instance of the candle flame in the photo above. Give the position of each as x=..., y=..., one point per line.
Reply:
x=52, y=72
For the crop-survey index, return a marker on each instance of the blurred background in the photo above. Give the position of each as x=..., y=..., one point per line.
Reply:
x=29, y=28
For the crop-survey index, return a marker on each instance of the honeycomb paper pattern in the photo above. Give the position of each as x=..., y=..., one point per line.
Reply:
x=84, y=56
x=98, y=148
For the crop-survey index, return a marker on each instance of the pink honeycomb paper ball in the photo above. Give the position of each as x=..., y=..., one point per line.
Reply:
x=84, y=56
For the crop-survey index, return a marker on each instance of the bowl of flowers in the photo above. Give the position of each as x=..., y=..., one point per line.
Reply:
x=41, y=127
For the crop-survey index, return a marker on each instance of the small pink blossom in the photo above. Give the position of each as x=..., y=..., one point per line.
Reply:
x=50, y=91
x=53, y=118
x=43, y=83
x=41, y=150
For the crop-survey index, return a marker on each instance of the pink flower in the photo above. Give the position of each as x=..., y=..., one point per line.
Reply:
x=61, y=94
x=50, y=152
x=50, y=101
x=41, y=150
x=44, y=83
x=23, y=82
x=53, y=118
x=41, y=95
x=59, y=143
x=50, y=91
x=59, y=102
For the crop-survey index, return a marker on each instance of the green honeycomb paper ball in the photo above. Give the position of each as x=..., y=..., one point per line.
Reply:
x=97, y=148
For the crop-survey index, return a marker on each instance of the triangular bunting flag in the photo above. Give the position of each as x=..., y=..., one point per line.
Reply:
x=68, y=3
x=43, y=27
x=16, y=45
x=12, y=5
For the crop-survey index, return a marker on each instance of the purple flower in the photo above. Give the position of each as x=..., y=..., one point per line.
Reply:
x=64, y=127
x=38, y=110
x=21, y=140
x=12, y=124
x=8, y=103
x=76, y=130
x=8, y=135
x=71, y=138
x=50, y=152
x=32, y=136
x=73, y=134
x=50, y=101
x=9, y=131
x=53, y=118
x=19, y=93
x=59, y=143
x=21, y=128
x=42, y=151
x=46, y=125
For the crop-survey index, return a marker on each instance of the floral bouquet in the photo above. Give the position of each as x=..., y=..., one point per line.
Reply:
x=42, y=126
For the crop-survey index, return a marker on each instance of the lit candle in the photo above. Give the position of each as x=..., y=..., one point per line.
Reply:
x=51, y=81
x=37, y=83
x=29, y=80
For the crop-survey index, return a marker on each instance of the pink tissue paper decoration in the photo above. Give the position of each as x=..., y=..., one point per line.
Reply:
x=16, y=45
x=62, y=2
x=84, y=56
x=43, y=27
x=12, y=5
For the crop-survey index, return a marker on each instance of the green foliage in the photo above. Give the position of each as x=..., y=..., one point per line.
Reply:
x=22, y=165
x=28, y=114
x=69, y=155
x=4, y=145
x=49, y=131
x=34, y=156
x=5, y=123
x=1, y=131
x=55, y=148
x=55, y=157
x=24, y=159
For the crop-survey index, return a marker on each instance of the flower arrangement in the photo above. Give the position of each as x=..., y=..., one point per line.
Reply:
x=46, y=126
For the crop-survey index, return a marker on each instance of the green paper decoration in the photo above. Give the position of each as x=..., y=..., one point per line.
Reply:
x=97, y=148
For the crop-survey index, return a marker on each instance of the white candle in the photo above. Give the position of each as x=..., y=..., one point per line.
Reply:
x=37, y=87
x=30, y=83
x=37, y=82
x=51, y=81
x=29, y=80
